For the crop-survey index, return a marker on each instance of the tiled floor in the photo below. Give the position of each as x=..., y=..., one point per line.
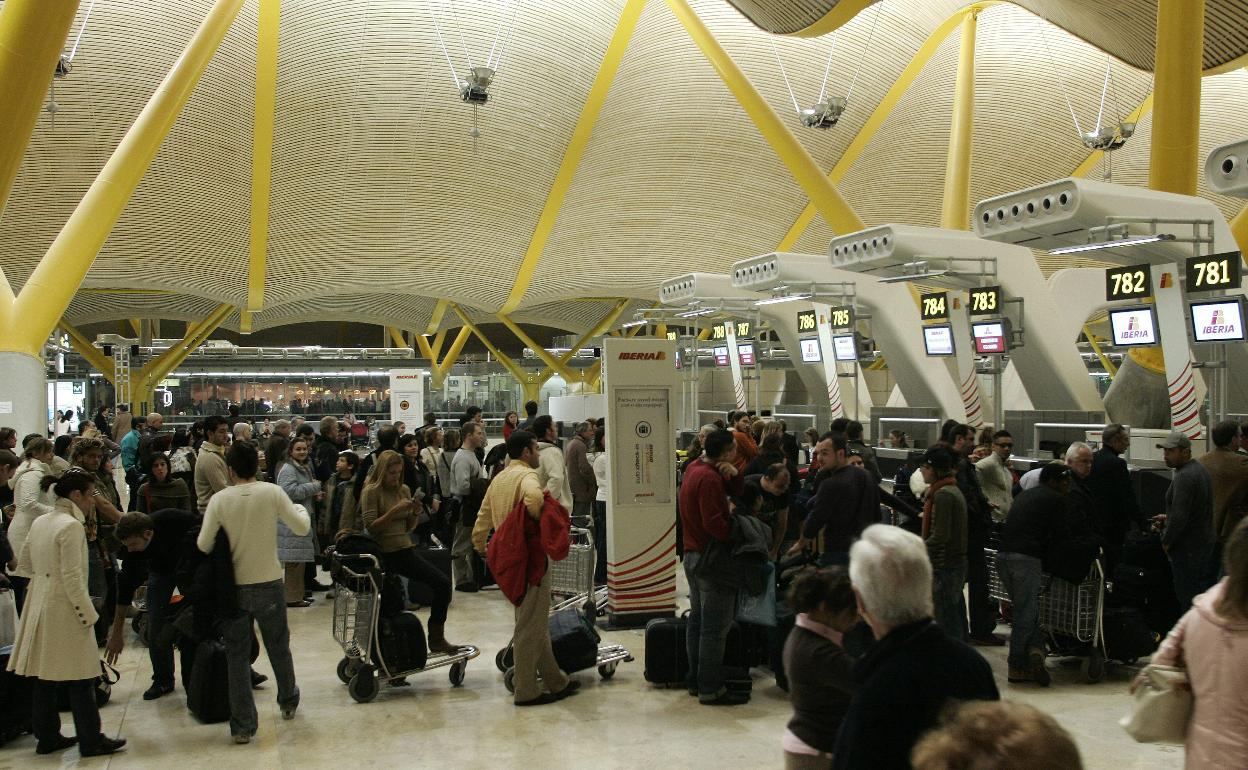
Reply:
x=621, y=723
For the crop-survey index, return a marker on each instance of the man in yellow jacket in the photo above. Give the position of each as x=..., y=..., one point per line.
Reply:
x=531, y=640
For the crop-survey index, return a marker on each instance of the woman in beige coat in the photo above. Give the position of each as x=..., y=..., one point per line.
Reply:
x=55, y=635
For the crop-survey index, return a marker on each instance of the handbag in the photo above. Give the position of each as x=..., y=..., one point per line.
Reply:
x=8, y=617
x=759, y=609
x=1163, y=706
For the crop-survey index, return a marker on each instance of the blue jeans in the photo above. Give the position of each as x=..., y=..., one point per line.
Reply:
x=711, y=611
x=1022, y=577
x=949, y=605
x=159, y=642
x=264, y=603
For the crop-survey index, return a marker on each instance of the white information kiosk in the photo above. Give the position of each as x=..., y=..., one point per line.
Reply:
x=407, y=397
x=641, y=384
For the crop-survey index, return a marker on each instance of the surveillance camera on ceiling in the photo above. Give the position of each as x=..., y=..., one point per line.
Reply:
x=824, y=114
x=476, y=89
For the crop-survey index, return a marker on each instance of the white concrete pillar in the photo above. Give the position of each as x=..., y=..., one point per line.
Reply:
x=23, y=394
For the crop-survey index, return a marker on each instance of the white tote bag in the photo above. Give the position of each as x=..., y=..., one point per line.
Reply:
x=8, y=618
x=1163, y=706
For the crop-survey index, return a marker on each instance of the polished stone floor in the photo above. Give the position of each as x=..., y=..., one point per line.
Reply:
x=620, y=723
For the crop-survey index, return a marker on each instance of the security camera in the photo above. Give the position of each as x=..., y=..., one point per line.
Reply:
x=824, y=114
x=476, y=89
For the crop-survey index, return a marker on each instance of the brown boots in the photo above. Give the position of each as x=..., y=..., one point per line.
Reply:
x=437, y=640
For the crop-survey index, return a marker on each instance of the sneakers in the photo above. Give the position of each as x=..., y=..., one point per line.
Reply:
x=156, y=691
x=242, y=738
x=257, y=679
x=288, y=712
x=105, y=746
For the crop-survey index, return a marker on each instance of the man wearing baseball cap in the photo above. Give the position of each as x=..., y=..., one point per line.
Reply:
x=1188, y=534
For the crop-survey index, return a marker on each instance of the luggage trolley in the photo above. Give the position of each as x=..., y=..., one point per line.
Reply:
x=572, y=585
x=1070, y=613
x=357, y=609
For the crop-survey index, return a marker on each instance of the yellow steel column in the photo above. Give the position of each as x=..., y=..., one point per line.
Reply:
x=196, y=334
x=511, y=366
x=457, y=346
x=606, y=322
x=89, y=352
x=422, y=345
x=826, y=198
x=1174, y=154
x=567, y=374
x=1096, y=348
x=435, y=319
x=436, y=346
x=52, y=285
x=262, y=148
x=575, y=150
x=955, y=210
x=396, y=337
x=1239, y=228
x=32, y=35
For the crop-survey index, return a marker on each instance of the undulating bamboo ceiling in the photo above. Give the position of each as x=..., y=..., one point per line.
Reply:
x=383, y=201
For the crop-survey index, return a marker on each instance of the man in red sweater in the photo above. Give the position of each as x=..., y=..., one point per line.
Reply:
x=704, y=514
x=747, y=447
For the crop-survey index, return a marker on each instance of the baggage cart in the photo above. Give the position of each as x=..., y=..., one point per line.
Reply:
x=1071, y=614
x=572, y=585
x=357, y=609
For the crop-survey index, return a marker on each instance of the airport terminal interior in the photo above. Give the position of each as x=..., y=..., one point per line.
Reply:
x=708, y=255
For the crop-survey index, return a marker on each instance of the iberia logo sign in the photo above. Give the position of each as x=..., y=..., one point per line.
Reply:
x=1218, y=324
x=657, y=355
x=1134, y=330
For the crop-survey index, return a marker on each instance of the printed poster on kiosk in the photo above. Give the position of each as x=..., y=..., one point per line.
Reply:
x=641, y=417
x=407, y=396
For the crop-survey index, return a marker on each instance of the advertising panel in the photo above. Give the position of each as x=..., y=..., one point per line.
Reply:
x=407, y=396
x=642, y=436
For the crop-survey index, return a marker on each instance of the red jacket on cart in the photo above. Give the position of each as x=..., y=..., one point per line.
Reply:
x=518, y=550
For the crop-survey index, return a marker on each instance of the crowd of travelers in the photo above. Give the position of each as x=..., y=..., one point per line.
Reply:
x=888, y=583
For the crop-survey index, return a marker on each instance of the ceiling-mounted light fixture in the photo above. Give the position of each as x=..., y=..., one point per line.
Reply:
x=795, y=297
x=695, y=313
x=632, y=324
x=1160, y=237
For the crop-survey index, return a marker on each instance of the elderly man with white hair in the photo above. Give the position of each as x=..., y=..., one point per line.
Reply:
x=915, y=668
x=242, y=431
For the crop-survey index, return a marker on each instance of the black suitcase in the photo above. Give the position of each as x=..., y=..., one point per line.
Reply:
x=402, y=642
x=574, y=640
x=1127, y=635
x=16, y=693
x=667, y=656
x=419, y=592
x=208, y=686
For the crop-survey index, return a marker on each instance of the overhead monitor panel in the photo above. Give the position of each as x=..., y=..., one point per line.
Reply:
x=843, y=345
x=990, y=337
x=721, y=356
x=938, y=340
x=746, y=352
x=810, y=350
x=1134, y=326
x=1218, y=320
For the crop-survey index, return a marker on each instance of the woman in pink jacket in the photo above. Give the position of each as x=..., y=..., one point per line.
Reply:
x=1211, y=641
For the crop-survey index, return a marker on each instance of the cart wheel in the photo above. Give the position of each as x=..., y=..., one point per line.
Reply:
x=509, y=680
x=457, y=673
x=363, y=686
x=345, y=670
x=1094, y=666
x=500, y=661
x=607, y=670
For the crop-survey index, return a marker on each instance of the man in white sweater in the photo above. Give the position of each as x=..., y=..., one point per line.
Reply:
x=248, y=511
x=552, y=470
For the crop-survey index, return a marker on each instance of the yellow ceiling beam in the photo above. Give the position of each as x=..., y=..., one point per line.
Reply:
x=452, y=355
x=956, y=203
x=435, y=320
x=93, y=355
x=244, y=321
x=575, y=150
x=396, y=337
x=196, y=334
x=438, y=340
x=841, y=14
x=1239, y=228
x=1174, y=152
x=606, y=323
x=1096, y=348
x=422, y=345
x=521, y=376
x=51, y=287
x=567, y=374
x=110, y=290
x=32, y=33
x=822, y=193
x=882, y=110
x=136, y=325
x=269, y=24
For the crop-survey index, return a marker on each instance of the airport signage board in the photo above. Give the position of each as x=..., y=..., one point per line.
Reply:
x=1216, y=272
x=1218, y=320
x=810, y=350
x=938, y=340
x=934, y=306
x=745, y=351
x=845, y=347
x=841, y=317
x=1131, y=282
x=991, y=337
x=986, y=300
x=807, y=321
x=1133, y=326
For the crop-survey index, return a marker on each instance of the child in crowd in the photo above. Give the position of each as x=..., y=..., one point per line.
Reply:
x=340, y=515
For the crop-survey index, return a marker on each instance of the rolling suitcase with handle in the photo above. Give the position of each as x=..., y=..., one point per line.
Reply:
x=667, y=657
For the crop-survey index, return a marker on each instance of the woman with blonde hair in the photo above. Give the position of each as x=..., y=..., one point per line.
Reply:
x=30, y=501
x=1211, y=641
x=390, y=513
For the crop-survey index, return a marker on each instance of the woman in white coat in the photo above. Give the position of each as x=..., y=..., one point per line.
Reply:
x=55, y=635
x=30, y=502
x=296, y=478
